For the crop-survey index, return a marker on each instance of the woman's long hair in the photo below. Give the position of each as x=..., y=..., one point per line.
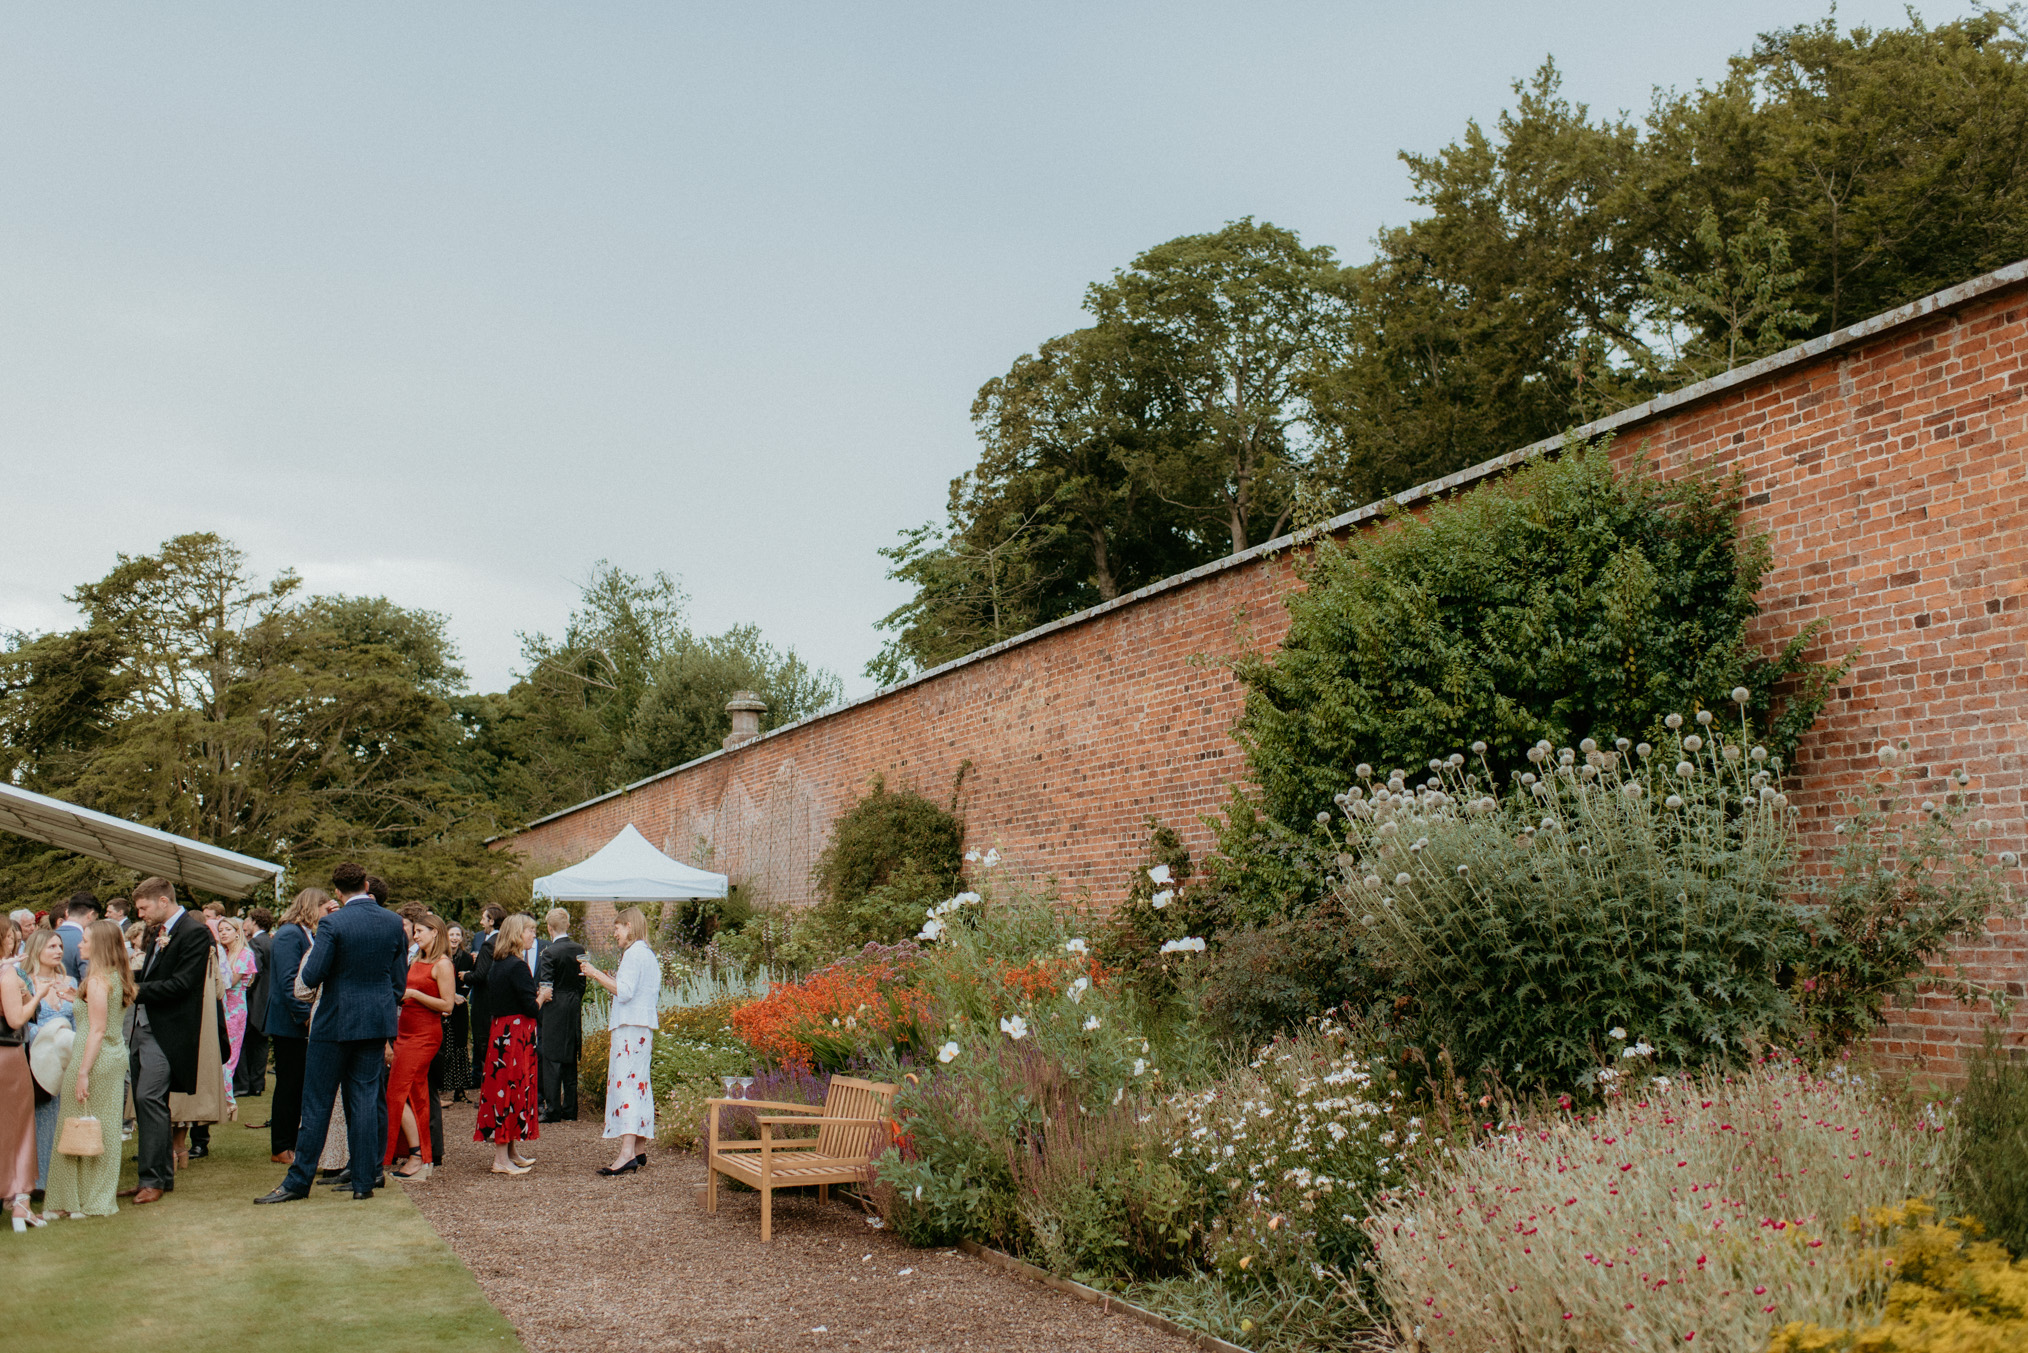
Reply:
x=636, y=923
x=31, y=957
x=109, y=955
x=439, y=945
x=303, y=911
x=508, y=942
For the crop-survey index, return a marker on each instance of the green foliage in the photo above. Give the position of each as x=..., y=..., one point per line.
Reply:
x=1566, y=601
x=1991, y=1182
x=1737, y=310
x=1909, y=881
x=1103, y=1200
x=204, y=701
x=1646, y=889
x=890, y=855
x=627, y=691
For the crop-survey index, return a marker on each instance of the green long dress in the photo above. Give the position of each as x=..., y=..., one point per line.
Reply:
x=88, y=1184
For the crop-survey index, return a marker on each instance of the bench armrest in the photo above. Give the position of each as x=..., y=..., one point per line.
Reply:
x=767, y=1104
x=820, y=1122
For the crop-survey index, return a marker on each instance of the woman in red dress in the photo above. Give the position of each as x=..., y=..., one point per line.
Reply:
x=508, y=1112
x=432, y=987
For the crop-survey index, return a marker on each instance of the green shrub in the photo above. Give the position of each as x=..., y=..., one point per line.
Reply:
x=1266, y=980
x=890, y=856
x=1645, y=888
x=1104, y=1201
x=1992, y=1175
x=1909, y=881
x=1563, y=601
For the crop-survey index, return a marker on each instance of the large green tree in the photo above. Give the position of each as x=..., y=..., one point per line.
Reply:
x=201, y=699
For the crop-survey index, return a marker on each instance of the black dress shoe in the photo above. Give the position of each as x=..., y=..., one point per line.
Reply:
x=199, y=1152
x=282, y=1195
x=362, y=1197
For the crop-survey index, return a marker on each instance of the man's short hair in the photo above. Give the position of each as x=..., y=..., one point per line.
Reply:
x=214, y=908
x=376, y=889
x=415, y=913
x=493, y=915
x=263, y=918
x=155, y=887
x=558, y=921
x=119, y=904
x=83, y=905
x=349, y=879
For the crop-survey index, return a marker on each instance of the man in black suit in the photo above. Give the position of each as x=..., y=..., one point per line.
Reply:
x=482, y=1005
x=560, y=992
x=358, y=963
x=251, y=1076
x=168, y=1020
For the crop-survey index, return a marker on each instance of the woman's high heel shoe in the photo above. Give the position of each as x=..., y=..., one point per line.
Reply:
x=636, y=1163
x=416, y=1175
x=510, y=1169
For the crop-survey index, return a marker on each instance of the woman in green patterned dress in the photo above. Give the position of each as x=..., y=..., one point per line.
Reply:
x=94, y=1084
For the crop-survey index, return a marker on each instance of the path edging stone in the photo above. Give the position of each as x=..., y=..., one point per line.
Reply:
x=1105, y=1301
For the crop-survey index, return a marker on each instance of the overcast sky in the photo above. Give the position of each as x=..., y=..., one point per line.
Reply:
x=448, y=302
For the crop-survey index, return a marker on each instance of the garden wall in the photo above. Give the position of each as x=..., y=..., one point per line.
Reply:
x=1886, y=461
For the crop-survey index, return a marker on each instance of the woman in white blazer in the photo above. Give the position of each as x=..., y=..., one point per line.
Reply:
x=637, y=996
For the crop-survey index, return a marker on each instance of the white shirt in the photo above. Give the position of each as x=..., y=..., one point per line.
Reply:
x=638, y=1000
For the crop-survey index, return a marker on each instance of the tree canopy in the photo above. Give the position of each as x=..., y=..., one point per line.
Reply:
x=1237, y=382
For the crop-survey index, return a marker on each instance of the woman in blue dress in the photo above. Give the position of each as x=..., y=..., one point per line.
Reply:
x=42, y=963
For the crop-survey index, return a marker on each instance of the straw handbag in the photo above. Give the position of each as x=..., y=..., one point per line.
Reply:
x=81, y=1137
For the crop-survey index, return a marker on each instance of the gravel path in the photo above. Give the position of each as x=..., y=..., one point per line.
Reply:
x=579, y=1263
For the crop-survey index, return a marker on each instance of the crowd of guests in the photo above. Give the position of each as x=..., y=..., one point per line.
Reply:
x=140, y=1019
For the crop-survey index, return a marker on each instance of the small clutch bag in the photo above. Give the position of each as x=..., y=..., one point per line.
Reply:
x=81, y=1137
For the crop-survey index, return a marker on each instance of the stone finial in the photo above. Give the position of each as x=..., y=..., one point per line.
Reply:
x=745, y=707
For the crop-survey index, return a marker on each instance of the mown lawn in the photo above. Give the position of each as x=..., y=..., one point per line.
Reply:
x=204, y=1268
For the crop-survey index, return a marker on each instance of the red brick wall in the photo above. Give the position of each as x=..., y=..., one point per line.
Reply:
x=1886, y=463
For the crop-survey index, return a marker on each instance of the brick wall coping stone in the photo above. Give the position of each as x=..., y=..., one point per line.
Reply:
x=1950, y=298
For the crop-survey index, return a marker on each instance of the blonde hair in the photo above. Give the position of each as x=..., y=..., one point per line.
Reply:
x=31, y=956
x=636, y=922
x=557, y=922
x=508, y=942
x=303, y=911
x=106, y=943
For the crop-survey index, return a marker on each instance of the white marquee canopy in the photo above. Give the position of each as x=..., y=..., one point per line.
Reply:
x=628, y=869
x=133, y=846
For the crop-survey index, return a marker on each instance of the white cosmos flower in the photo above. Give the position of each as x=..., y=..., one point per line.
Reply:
x=1078, y=988
x=1140, y=1066
x=1091, y=1022
x=1159, y=874
x=1617, y=1032
x=992, y=857
x=948, y=1052
x=1189, y=945
x=1014, y=1027
x=971, y=857
x=932, y=930
x=1162, y=899
x=1075, y=946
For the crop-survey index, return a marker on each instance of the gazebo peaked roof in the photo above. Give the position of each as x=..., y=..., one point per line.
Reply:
x=629, y=869
x=133, y=846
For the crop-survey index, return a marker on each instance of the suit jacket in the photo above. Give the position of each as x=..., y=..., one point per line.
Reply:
x=263, y=946
x=359, y=964
x=481, y=1002
x=562, y=1034
x=171, y=991
x=71, y=963
x=287, y=1017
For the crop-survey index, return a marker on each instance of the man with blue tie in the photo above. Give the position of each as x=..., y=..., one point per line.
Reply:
x=357, y=964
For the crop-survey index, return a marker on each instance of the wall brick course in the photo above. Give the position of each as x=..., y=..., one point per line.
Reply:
x=1887, y=471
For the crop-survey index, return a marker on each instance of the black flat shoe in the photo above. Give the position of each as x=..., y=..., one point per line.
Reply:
x=281, y=1195
x=362, y=1197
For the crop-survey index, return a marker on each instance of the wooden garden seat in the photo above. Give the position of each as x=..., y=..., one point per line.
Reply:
x=841, y=1153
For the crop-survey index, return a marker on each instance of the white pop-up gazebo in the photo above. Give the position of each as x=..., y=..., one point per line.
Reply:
x=626, y=870
x=145, y=850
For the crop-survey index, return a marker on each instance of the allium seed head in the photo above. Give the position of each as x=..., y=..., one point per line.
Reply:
x=1740, y=695
x=1673, y=721
x=1704, y=717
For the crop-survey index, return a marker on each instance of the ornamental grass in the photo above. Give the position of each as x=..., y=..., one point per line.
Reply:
x=1708, y=1211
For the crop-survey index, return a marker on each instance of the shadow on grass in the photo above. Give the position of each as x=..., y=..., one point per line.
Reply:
x=204, y=1268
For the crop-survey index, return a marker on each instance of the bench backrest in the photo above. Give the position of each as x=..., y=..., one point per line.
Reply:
x=849, y=1098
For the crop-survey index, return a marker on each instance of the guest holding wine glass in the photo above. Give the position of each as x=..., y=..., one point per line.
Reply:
x=457, y=1053
x=430, y=994
x=508, y=1112
x=637, y=994
x=94, y=1083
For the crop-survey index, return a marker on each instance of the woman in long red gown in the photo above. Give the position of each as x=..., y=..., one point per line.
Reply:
x=432, y=989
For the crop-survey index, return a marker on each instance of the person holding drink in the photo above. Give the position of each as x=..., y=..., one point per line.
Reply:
x=637, y=992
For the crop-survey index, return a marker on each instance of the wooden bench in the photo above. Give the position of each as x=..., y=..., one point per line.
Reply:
x=841, y=1153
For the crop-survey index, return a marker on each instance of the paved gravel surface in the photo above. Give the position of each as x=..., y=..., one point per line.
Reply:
x=580, y=1263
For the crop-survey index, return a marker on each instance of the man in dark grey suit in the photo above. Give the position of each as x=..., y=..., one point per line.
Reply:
x=358, y=964
x=251, y=1076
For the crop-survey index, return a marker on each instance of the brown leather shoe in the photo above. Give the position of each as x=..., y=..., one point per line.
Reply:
x=283, y=1158
x=146, y=1196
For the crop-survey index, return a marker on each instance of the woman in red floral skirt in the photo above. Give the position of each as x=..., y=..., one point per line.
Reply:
x=508, y=1111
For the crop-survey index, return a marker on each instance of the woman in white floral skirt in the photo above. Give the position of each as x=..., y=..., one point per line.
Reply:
x=637, y=992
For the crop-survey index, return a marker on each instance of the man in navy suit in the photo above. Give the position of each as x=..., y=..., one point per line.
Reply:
x=358, y=963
